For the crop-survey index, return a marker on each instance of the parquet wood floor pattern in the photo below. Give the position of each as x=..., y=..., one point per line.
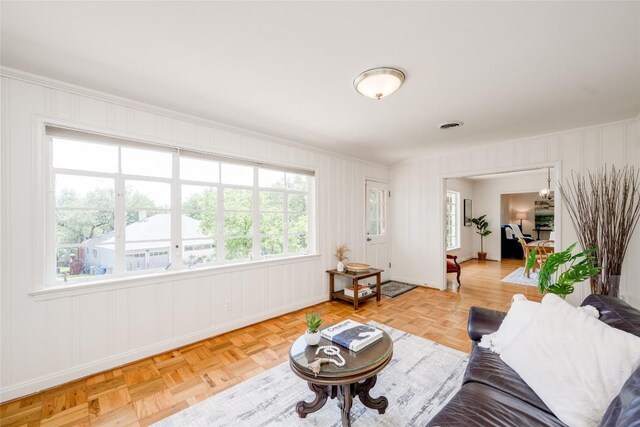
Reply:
x=146, y=391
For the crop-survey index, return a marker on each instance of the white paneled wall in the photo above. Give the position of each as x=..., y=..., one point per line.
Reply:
x=417, y=188
x=49, y=341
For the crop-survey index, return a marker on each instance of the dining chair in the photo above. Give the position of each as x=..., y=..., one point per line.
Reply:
x=525, y=248
x=544, y=249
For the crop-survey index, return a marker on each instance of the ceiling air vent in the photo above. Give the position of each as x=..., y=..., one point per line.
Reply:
x=450, y=125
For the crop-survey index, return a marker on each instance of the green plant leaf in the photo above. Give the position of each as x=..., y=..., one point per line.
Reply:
x=531, y=258
x=581, y=268
x=313, y=321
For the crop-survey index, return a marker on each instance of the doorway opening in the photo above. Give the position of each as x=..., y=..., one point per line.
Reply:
x=516, y=215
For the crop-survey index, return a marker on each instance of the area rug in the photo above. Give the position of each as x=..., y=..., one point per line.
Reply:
x=418, y=381
x=518, y=277
x=392, y=288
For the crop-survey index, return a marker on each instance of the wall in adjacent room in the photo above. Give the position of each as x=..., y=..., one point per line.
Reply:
x=48, y=340
x=522, y=202
x=465, y=188
x=418, y=189
x=488, y=201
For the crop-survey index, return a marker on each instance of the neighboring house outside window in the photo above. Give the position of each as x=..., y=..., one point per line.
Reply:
x=453, y=220
x=119, y=208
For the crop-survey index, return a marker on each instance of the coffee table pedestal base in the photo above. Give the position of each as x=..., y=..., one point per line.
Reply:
x=345, y=394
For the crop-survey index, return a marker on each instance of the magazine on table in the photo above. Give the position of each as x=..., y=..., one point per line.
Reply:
x=363, y=290
x=351, y=334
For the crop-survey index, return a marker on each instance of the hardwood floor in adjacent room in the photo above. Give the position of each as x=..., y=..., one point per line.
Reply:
x=146, y=391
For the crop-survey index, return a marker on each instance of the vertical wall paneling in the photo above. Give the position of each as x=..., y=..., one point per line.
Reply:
x=87, y=333
x=580, y=150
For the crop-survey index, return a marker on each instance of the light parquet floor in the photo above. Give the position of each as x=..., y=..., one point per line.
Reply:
x=146, y=391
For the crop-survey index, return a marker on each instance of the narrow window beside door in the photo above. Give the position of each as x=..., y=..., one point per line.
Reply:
x=453, y=220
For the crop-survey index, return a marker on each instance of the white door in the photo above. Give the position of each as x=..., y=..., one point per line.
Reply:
x=377, y=247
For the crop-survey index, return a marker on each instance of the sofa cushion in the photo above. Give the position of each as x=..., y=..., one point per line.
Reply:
x=616, y=313
x=624, y=410
x=487, y=368
x=480, y=405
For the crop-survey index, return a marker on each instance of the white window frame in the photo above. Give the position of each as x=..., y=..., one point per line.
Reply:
x=175, y=249
x=456, y=213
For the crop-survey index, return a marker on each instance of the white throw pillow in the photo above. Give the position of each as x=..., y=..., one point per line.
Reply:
x=508, y=232
x=575, y=363
x=518, y=316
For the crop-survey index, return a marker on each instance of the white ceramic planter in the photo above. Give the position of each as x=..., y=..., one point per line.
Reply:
x=312, y=338
x=340, y=266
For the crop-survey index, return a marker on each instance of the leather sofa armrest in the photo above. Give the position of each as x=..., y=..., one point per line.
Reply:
x=483, y=321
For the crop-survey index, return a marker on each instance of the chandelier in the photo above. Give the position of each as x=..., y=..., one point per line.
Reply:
x=545, y=193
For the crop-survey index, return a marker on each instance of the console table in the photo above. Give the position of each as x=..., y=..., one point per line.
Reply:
x=355, y=277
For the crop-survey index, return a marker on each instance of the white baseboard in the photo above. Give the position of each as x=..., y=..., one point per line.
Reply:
x=413, y=280
x=487, y=259
x=51, y=380
x=407, y=279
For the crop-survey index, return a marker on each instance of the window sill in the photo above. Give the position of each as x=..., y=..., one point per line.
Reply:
x=455, y=248
x=55, y=292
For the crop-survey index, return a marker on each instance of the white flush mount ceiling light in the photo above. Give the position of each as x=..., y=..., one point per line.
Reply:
x=378, y=82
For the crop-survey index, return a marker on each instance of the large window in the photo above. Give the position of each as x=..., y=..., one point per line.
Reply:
x=453, y=220
x=121, y=208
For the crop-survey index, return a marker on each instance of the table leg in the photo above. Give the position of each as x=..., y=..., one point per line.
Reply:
x=322, y=393
x=362, y=391
x=331, y=286
x=346, y=399
x=355, y=294
x=378, y=287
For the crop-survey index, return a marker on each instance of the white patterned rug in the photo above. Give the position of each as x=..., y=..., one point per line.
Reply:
x=518, y=277
x=419, y=380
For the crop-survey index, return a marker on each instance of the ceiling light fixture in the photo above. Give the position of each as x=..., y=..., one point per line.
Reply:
x=545, y=193
x=378, y=82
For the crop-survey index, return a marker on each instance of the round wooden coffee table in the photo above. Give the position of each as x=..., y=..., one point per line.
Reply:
x=356, y=378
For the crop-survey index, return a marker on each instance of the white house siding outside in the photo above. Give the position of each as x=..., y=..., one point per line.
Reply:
x=148, y=246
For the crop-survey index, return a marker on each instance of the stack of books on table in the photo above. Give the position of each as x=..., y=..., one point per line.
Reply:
x=363, y=290
x=352, y=335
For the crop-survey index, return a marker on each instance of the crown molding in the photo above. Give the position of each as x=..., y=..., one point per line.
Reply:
x=27, y=77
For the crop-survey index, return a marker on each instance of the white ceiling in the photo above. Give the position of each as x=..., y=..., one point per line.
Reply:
x=508, y=70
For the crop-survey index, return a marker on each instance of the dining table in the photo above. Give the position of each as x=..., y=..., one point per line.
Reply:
x=548, y=244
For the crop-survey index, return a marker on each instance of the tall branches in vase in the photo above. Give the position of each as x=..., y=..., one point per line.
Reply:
x=604, y=208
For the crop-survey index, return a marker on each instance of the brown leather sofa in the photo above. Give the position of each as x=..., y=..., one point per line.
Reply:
x=492, y=394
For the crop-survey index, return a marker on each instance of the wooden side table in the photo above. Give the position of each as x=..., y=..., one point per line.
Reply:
x=355, y=277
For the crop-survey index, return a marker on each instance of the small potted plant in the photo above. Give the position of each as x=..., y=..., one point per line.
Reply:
x=581, y=267
x=482, y=228
x=341, y=252
x=312, y=335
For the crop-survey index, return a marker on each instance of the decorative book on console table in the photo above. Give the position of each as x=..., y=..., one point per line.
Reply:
x=352, y=335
